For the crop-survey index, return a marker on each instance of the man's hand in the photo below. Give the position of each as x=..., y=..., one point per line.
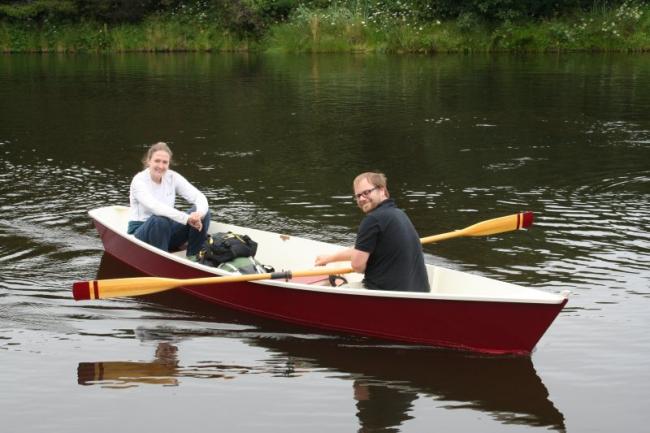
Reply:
x=322, y=260
x=339, y=256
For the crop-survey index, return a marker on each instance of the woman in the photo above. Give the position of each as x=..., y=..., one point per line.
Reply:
x=153, y=218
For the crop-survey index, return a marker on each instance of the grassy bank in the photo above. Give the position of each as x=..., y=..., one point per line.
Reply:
x=343, y=29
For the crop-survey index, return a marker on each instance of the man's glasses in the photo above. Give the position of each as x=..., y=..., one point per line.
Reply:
x=363, y=194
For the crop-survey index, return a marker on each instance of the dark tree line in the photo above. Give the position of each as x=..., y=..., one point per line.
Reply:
x=253, y=16
x=109, y=11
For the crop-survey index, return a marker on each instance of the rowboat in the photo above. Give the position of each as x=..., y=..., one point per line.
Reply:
x=461, y=311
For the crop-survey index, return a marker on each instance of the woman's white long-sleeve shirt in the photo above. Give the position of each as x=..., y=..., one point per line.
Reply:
x=149, y=198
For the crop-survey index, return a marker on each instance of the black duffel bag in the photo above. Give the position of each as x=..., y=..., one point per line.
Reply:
x=220, y=248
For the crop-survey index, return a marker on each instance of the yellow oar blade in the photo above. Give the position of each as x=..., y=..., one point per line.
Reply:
x=489, y=227
x=500, y=225
x=123, y=287
x=99, y=289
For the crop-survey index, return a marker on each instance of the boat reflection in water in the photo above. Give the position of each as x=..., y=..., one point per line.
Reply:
x=123, y=374
x=386, y=379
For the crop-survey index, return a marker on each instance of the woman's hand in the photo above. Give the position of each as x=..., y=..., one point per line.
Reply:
x=195, y=221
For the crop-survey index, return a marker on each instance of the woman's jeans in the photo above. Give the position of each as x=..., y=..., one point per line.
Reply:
x=168, y=235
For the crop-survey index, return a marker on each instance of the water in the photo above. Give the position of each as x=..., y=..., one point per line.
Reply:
x=274, y=142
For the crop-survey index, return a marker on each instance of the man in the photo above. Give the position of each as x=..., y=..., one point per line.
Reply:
x=387, y=249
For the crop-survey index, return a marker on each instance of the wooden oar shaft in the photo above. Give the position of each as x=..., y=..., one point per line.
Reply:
x=119, y=287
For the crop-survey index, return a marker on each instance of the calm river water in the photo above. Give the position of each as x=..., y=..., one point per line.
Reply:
x=275, y=141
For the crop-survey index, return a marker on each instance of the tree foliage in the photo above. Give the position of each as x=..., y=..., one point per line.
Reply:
x=505, y=10
x=253, y=17
x=119, y=11
x=109, y=11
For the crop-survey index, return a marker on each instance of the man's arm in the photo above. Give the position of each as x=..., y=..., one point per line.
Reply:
x=358, y=259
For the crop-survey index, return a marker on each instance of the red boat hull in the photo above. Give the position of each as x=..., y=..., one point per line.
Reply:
x=487, y=327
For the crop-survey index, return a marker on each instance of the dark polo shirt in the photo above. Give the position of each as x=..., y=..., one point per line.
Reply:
x=396, y=261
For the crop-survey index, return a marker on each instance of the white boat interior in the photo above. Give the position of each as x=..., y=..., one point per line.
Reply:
x=286, y=252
